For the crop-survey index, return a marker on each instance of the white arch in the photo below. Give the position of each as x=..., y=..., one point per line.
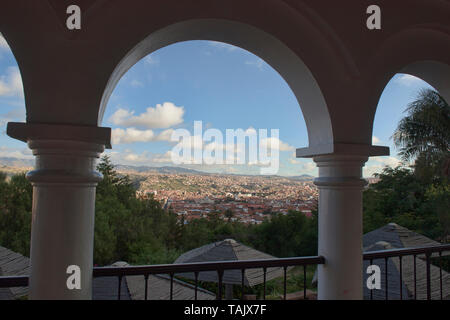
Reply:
x=274, y=52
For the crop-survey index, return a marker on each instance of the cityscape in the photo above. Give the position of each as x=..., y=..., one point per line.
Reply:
x=250, y=199
x=192, y=194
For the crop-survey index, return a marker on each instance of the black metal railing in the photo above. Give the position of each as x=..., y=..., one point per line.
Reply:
x=196, y=268
x=425, y=284
x=218, y=266
x=427, y=278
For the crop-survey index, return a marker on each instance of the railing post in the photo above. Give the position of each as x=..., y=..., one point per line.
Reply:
x=219, y=289
x=428, y=275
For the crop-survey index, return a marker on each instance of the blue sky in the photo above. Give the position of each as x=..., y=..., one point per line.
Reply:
x=223, y=86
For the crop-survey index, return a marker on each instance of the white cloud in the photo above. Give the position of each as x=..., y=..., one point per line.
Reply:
x=136, y=158
x=165, y=135
x=309, y=168
x=408, y=80
x=388, y=161
x=163, y=158
x=258, y=63
x=23, y=153
x=275, y=143
x=375, y=140
x=131, y=135
x=162, y=116
x=151, y=60
x=13, y=115
x=136, y=83
x=11, y=83
x=377, y=164
x=129, y=157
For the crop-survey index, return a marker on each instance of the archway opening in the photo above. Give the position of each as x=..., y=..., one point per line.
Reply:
x=224, y=87
x=15, y=159
x=220, y=85
x=403, y=89
x=410, y=187
x=12, y=108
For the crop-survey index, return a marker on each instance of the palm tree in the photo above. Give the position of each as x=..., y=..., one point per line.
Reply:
x=424, y=134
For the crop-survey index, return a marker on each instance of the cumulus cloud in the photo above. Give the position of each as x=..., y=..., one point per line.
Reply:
x=165, y=135
x=132, y=135
x=161, y=116
x=11, y=83
x=275, y=143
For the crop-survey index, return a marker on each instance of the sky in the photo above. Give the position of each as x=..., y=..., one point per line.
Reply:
x=224, y=87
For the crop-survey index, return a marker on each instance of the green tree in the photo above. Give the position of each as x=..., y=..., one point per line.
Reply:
x=424, y=135
x=15, y=213
x=401, y=197
x=135, y=230
x=288, y=235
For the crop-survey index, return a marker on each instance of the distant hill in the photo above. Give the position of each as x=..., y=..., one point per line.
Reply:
x=15, y=162
x=165, y=169
x=27, y=163
x=303, y=177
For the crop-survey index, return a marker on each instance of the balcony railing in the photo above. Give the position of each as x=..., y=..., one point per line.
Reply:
x=426, y=253
x=217, y=266
x=419, y=259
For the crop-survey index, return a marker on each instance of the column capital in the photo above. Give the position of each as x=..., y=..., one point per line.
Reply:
x=339, y=159
x=340, y=171
x=65, y=161
x=65, y=154
x=342, y=148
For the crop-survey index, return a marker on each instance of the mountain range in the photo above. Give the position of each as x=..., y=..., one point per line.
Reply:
x=26, y=163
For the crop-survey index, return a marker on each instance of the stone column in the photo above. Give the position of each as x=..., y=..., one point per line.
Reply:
x=64, y=181
x=340, y=186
